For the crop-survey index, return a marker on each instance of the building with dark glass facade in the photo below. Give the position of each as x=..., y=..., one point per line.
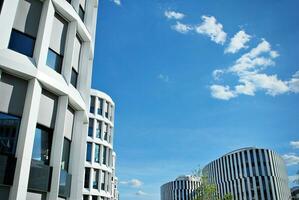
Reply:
x=46, y=56
x=250, y=174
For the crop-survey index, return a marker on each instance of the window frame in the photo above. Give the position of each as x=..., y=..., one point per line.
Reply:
x=24, y=35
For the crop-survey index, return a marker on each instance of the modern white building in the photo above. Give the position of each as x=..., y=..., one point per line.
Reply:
x=250, y=174
x=99, y=182
x=46, y=56
x=182, y=188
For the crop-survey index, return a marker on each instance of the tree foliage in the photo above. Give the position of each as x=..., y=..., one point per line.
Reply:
x=207, y=190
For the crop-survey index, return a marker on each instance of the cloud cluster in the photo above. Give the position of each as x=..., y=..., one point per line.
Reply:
x=294, y=144
x=133, y=183
x=211, y=28
x=141, y=193
x=182, y=28
x=173, y=15
x=238, y=42
x=291, y=159
x=249, y=69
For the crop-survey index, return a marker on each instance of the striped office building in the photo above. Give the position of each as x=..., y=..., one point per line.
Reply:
x=182, y=188
x=250, y=174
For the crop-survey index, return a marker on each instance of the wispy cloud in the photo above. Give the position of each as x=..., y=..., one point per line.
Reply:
x=169, y=14
x=221, y=92
x=117, y=2
x=164, y=78
x=291, y=159
x=182, y=28
x=294, y=144
x=141, y=193
x=238, y=42
x=212, y=28
x=133, y=183
x=249, y=69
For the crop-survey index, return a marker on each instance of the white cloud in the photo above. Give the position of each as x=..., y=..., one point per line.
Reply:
x=221, y=92
x=133, y=183
x=295, y=144
x=164, y=78
x=294, y=83
x=217, y=73
x=117, y=2
x=141, y=193
x=291, y=159
x=181, y=28
x=293, y=178
x=212, y=28
x=173, y=15
x=238, y=42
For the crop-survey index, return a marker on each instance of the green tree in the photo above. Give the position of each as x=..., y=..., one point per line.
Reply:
x=207, y=190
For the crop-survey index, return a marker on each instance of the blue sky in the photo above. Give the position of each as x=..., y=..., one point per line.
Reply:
x=193, y=80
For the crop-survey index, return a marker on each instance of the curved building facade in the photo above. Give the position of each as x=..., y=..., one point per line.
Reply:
x=46, y=56
x=100, y=157
x=250, y=173
x=182, y=188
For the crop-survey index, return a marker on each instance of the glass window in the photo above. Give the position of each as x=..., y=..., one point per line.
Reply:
x=74, y=77
x=90, y=127
x=42, y=145
x=1, y=3
x=107, y=110
x=100, y=106
x=106, y=131
x=87, y=177
x=81, y=13
x=88, y=152
x=65, y=154
x=103, y=177
x=94, y=198
x=54, y=60
x=22, y=43
x=9, y=130
x=97, y=153
x=95, y=182
x=85, y=197
x=105, y=155
x=99, y=129
x=92, y=100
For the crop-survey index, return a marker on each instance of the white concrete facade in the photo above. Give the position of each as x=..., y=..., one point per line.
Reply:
x=100, y=157
x=250, y=173
x=182, y=188
x=42, y=86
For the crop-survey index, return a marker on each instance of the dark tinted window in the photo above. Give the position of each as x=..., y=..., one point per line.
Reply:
x=54, y=60
x=65, y=154
x=9, y=129
x=97, y=153
x=88, y=152
x=21, y=43
x=1, y=3
x=81, y=13
x=86, y=179
x=95, y=183
x=42, y=145
x=74, y=78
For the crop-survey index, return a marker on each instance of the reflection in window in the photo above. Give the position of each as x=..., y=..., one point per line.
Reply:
x=98, y=130
x=90, y=128
x=100, y=106
x=22, y=43
x=97, y=153
x=54, y=60
x=88, y=152
x=65, y=154
x=103, y=177
x=42, y=145
x=87, y=177
x=95, y=183
x=92, y=100
x=9, y=129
